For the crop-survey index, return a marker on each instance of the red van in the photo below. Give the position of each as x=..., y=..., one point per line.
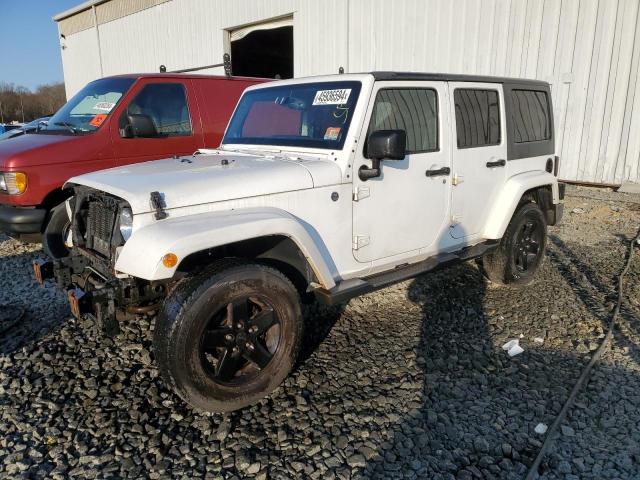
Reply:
x=112, y=121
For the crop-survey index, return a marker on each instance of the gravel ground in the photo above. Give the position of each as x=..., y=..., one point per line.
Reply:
x=408, y=382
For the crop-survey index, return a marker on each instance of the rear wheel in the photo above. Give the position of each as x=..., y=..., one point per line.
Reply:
x=521, y=249
x=230, y=336
x=57, y=234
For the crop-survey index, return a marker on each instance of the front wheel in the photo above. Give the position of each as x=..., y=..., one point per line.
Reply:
x=230, y=336
x=57, y=234
x=521, y=250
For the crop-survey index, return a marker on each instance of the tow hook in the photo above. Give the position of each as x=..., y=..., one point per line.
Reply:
x=42, y=270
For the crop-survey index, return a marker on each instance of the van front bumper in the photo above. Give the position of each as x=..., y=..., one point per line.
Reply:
x=20, y=221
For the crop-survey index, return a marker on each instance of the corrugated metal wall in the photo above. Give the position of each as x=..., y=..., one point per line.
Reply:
x=589, y=50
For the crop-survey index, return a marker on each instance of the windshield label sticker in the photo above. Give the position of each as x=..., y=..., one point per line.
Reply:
x=332, y=97
x=332, y=133
x=106, y=106
x=98, y=120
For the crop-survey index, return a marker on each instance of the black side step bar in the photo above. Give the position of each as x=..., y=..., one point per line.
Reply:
x=348, y=289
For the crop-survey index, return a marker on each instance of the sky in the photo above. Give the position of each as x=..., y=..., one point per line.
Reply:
x=29, y=43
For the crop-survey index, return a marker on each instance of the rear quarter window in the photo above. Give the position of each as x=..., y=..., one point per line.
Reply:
x=530, y=115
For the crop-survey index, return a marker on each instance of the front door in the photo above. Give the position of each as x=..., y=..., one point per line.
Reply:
x=167, y=102
x=405, y=209
x=479, y=155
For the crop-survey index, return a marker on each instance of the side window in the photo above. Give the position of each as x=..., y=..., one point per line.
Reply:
x=166, y=105
x=410, y=109
x=530, y=116
x=477, y=117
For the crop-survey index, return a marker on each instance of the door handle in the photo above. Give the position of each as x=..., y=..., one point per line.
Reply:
x=498, y=163
x=438, y=172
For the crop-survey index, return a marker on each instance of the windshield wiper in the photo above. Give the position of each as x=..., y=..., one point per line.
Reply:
x=68, y=125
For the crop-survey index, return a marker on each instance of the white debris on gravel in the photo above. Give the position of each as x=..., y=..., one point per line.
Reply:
x=541, y=429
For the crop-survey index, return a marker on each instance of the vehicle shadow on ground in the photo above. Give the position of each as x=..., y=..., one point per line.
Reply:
x=589, y=288
x=31, y=311
x=478, y=406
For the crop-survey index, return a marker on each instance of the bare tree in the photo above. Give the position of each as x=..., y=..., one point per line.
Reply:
x=20, y=104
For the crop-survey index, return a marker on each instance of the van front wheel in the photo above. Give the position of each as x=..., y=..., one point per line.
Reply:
x=57, y=233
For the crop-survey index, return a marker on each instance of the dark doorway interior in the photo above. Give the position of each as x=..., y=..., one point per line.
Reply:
x=264, y=53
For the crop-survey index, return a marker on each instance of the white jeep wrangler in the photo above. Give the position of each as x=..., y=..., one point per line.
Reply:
x=335, y=185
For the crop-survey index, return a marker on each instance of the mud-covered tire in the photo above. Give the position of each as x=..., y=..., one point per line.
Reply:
x=55, y=232
x=202, y=306
x=514, y=261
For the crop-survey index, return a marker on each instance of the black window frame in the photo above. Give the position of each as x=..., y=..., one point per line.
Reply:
x=500, y=133
x=125, y=112
x=365, y=153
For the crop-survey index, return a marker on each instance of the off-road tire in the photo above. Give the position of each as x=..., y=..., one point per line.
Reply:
x=500, y=265
x=53, y=237
x=186, y=313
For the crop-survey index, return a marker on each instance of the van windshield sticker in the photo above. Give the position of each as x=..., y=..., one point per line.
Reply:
x=332, y=97
x=98, y=120
x=106, y=106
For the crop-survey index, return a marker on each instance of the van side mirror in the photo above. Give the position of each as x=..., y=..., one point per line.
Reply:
x=139, y=125
x=383, y=145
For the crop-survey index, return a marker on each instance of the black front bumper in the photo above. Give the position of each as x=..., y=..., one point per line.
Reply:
x=98, y=295
x=21, y=221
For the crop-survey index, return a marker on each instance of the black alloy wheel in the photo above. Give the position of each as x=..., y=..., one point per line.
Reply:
x=228, y=336
x=240, y=340
x=527, y=246
x=521, y=251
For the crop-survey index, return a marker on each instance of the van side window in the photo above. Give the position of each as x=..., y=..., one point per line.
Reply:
x=414, y=110
x=477, y=117
x=166, y=104
x=530, y=116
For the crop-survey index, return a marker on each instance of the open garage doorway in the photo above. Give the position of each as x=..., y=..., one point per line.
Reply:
x=263, y=50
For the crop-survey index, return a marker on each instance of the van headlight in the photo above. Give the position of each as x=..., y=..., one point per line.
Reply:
x=13, y=183
x=126, y=223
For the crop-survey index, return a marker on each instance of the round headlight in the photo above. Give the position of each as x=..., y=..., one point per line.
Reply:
x=126, y=223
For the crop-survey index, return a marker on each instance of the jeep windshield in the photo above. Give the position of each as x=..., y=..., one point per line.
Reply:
x=90, y=107
x=311, y=115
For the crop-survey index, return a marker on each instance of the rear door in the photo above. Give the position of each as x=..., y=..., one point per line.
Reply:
x=171, y=105
x=479, y=154
x=405, y=209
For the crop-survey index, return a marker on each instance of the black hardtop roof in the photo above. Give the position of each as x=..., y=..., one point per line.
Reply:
x=452, y=77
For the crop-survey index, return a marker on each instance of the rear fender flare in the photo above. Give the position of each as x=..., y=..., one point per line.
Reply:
x=505, y=205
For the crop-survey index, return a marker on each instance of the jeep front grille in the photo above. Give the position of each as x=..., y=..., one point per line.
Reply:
x=101, y=222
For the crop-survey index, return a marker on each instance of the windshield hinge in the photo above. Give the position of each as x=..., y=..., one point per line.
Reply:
x=360, y=193
x=157, y=203
x=360, y=241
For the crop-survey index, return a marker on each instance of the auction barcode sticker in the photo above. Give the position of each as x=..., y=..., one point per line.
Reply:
x=332, y=97
x=106, y=106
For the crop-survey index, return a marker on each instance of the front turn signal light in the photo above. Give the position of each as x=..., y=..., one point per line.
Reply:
x=15, y=182
x=170, y=260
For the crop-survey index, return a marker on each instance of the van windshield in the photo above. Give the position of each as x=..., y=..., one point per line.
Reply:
x=311, y=115
x=90, y=107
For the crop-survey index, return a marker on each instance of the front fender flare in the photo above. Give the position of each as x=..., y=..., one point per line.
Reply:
x=141, y=256
x=502, y=210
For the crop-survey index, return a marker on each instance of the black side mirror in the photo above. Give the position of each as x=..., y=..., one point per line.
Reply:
x=383, y=145
x=139, y=125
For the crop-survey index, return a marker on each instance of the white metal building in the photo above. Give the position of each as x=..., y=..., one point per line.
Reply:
x=589, y=50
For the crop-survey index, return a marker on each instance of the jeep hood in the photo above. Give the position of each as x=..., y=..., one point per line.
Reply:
x=209, y=178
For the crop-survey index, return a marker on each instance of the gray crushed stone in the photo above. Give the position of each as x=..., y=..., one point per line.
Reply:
x=408, y=382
